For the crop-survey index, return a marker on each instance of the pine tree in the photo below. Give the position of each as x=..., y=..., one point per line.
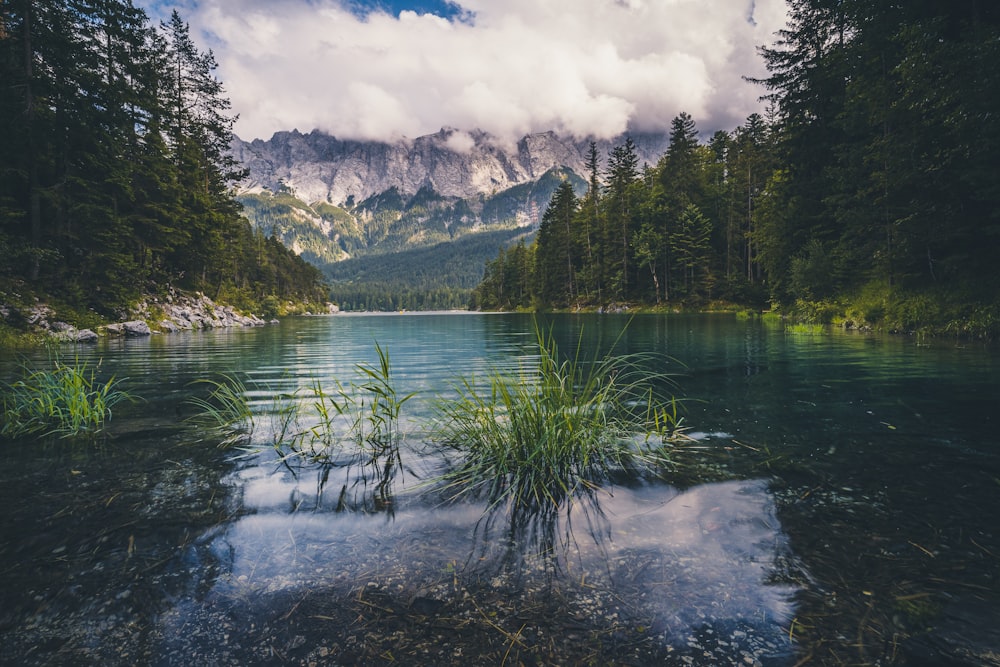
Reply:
x=555, y=250
x=620, y=221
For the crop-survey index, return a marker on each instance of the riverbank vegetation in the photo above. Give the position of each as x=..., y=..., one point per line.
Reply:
x=115, y=182
x=867, y=194
x=62, y=399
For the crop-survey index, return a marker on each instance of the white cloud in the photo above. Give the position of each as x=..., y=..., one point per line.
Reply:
x=460, y=142
x=587, y=67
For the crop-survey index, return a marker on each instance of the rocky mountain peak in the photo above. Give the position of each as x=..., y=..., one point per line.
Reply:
x=455, y=163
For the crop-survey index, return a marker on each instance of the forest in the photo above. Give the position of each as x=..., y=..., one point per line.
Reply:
x=869, y=193
x=115, y=181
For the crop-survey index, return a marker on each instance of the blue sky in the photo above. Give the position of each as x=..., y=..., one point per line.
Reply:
x=442, y=8
x=385, y=69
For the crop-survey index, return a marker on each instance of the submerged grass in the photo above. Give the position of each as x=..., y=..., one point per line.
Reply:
x=353, y=426
x=226, y=409
x=65, y=400
x=541, y=436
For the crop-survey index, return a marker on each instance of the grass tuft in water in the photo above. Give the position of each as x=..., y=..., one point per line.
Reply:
x=543, y=435
x=66, y=400
x=226, y=409
x=353, y=426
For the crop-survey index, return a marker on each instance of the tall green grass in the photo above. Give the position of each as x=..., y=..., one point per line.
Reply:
x=353, y=426
x=542, y=435
x=226, y=409
x=66, y=400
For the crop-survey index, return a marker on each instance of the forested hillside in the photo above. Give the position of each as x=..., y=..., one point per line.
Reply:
x=394, y=251
x=871, y=191
x=114, y=175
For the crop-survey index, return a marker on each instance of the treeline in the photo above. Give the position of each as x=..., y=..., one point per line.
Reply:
x=679, y=231
x=438, y=277
x=114, y=174
x=871, y=190
x=390, y=296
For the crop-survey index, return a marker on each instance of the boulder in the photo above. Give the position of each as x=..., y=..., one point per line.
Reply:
x=136, y=329
x=66, y=333
x=85, y=336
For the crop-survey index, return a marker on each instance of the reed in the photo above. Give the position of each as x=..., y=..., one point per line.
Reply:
x=353, y=423
x=542, y=435
x=66, y=400
x=226, y=410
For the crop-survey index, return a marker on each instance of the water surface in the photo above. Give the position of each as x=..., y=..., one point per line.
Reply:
x=837, y=503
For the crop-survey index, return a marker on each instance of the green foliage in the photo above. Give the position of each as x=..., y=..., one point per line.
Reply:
x=226, y=409
x=114, y=167
x=887, y=144
x=64, y=400
x=311, y=422
x=437, y=277
x=559, y=428
x=681, y=231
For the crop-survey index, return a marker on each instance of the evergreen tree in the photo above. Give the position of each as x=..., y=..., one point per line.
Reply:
x=555, y=249
x=619, y=207
x=114, y=171
x=590, y=277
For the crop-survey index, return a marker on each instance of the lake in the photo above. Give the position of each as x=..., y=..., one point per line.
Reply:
x=836, y=502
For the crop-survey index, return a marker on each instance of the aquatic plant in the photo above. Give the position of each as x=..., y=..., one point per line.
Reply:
x=226, y=409
x=353, y=426
x=379, y=425
x=542, y=435
x=66, y=400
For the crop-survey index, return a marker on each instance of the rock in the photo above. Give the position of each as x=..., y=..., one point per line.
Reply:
x=136, y=329
x=86, y=336
x=66, y=333
x=39, y=315
x=200, y=312
x=462, y=164
x=130, y=329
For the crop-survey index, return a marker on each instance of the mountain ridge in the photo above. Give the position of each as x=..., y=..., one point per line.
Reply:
x=421, y=215
x=319, y=167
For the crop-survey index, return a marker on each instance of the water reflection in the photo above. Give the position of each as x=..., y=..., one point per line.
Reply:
x=669, y=574
x=159, y=548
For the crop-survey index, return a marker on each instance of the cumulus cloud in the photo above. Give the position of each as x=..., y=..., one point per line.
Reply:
x=509, y=67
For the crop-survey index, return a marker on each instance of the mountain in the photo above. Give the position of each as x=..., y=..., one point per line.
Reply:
x=452, y=163
x=436, y=208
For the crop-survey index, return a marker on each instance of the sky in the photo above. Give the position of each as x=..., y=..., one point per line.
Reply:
x=392, y=69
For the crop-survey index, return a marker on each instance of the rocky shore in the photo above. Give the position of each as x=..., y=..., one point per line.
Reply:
x=173, y=313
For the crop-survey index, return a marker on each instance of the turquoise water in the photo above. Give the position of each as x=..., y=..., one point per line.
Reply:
x=838, y=498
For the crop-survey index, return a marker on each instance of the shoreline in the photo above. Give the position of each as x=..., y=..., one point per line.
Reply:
x=40, y=324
